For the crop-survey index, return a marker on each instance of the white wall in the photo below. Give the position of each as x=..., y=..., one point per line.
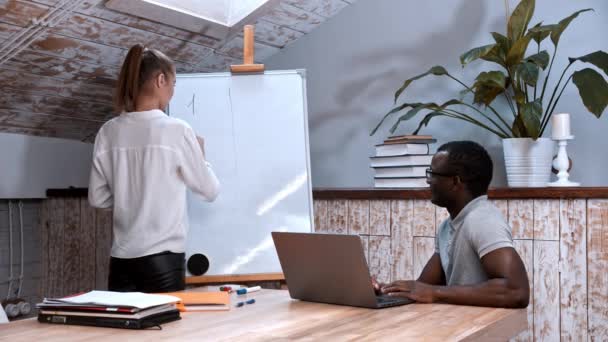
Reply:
x=30, y=165
x=357, y=60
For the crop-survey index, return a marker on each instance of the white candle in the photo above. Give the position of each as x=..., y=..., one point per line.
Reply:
x=560, y=126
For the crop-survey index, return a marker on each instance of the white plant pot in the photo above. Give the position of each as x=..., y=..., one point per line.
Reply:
x=528, y=162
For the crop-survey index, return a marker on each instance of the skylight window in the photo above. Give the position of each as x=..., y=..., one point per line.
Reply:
x=215, y=18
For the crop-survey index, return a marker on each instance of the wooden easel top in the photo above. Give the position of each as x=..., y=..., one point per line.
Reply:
x=248, y=65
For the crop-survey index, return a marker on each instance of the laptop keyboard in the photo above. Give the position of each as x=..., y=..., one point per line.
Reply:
x=387, y=299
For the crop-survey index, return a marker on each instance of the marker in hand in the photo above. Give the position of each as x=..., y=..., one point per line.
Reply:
x=248, y=290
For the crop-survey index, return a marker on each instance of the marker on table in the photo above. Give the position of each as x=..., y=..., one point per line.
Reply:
x=248, y=289
x=226, y=288
x=239, y=304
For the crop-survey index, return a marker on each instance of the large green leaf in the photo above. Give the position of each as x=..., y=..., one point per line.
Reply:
x=519, y=97
x=412, y=112
x=597, y=58
x=426, y=119
x=593, y=90
x=539, y=33
x=502, y=41
x=541, y=59
x=392, y=111
x=519, y=20
x=531, y=113
x=496, y=78
x=436, y=70
x=518, y=50
x=556, y=33
x=518, y=129
x=475, y=53
x=528, y=72
x=488, y=86
x=496, y=55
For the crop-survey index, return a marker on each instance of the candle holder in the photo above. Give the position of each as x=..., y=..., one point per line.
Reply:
x=561, y=163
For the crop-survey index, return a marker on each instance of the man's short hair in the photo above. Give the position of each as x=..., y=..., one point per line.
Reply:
x=472, y=163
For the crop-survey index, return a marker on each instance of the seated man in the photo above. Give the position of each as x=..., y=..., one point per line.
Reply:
x=474, y=261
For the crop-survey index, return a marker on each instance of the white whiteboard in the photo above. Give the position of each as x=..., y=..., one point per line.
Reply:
x=256, y=138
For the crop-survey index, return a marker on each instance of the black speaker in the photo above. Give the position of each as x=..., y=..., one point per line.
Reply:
x=198, y=264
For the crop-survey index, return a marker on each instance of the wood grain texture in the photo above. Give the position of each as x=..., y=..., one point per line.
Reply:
x=234, y=48
x=336, y=216
x=402, y=225
x=97, y=9
x=275, y=35
x=597, y=268
x=424, y=248
x=573, y=270
x=380, y=258
x=379, y=218
x=424, y=218
x=324, y=8
x=495, y=193
x=55, y=268
x=236, y=278
x=358, y=217
x=217, y=62
x=293, y=17
x=39, y=63
x=51, y=104
x=45, y=231
x=37, y=84
x=521, y=219
x=87, y=245
x=320, y=215
x=525, y=249
x=103, y=233
x=71, y=247
x=546, y=291
x=88, y=45
x=275, y=317
x=546, y=220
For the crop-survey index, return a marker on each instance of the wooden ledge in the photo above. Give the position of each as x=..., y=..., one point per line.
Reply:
x=380, y=194
x=234, y=278
x=497, y=193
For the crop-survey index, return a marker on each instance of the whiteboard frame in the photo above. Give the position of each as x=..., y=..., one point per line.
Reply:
x=302, y=74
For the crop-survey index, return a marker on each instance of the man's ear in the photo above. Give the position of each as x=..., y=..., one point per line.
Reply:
x=458, y=182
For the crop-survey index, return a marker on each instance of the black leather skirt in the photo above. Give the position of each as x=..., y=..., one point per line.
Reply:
x=162, y=272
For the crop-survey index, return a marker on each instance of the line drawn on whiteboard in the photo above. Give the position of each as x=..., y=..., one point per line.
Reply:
x=192, y=103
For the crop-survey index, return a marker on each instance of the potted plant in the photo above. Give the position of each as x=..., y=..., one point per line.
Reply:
x=531, y=101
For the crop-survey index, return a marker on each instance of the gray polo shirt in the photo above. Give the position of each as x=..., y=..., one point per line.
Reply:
x=478, y=230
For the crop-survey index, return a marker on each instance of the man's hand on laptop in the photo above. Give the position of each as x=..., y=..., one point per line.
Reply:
x=377, y=286
x=415, y=290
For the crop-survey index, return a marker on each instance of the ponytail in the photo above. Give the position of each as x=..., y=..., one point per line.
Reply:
x=139, y=66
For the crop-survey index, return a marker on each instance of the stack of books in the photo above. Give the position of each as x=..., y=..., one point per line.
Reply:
x=131, y=310
x=401, y=161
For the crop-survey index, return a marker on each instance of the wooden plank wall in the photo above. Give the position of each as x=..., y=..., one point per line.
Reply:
x=76, y=241
x=563, y=244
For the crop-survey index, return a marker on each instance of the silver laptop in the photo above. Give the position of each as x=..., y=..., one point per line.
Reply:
x=329, y=268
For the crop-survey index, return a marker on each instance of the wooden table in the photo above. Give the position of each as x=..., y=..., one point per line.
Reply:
x=275, y=316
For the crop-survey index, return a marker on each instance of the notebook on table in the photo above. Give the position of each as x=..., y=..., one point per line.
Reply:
x=131, y=310
x=111, y=322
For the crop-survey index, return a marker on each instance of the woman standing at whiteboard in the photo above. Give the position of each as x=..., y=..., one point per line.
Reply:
x=143, y=161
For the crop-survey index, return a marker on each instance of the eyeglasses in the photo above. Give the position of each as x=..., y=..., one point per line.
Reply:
x=430, y=173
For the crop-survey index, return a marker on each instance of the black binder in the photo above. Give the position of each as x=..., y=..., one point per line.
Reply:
x=112, y=322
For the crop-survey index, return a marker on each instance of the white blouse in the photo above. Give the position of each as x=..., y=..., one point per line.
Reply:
x=142, y=164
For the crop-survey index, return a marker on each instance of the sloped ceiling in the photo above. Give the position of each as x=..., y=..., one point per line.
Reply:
x=61, y=83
